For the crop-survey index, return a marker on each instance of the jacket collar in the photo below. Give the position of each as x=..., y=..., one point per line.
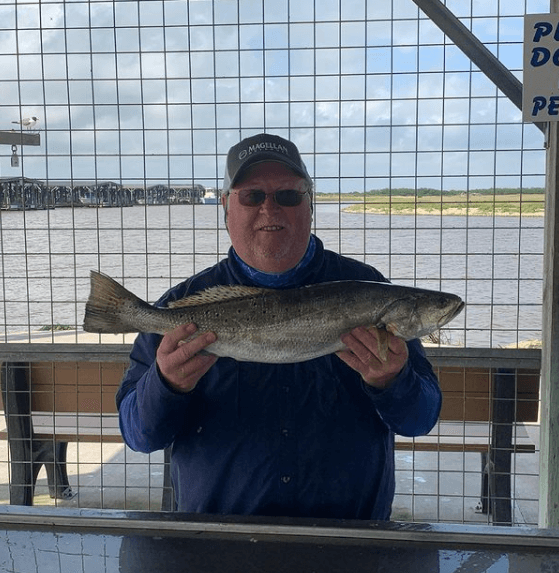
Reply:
x=292, y=278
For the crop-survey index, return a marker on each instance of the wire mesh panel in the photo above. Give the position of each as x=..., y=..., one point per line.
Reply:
x=422, y=167
x=487, y=411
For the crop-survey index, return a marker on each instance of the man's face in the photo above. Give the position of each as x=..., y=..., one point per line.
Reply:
x=269, y=237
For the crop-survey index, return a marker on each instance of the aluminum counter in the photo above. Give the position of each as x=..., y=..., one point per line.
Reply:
x=52, y=540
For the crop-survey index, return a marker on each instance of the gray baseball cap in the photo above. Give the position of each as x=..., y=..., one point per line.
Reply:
x=259, y=148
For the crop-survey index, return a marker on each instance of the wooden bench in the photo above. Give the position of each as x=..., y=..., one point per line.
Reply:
x=84, y=391
x=49, y=404
x=475, y=398
x=483, y=405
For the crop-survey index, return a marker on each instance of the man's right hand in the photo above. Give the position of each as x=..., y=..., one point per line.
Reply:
x=179, y=362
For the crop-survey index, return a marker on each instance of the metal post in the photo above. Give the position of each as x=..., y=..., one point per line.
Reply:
x=15, y=138
x=549, y=429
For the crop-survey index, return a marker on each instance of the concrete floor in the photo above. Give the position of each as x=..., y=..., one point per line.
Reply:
x=430, y=486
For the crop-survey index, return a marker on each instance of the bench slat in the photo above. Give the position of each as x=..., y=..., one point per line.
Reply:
x=459, y=447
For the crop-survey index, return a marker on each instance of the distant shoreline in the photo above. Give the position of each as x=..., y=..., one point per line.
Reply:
x=473, y=205
x=457, y=212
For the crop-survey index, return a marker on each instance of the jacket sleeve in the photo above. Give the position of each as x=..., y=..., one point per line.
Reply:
x=410, y=406
x=150, y=412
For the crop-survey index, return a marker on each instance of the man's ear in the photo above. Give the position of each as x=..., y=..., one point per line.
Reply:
x=225, y=205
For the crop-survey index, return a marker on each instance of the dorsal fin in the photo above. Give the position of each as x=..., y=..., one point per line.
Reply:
x=217, y=294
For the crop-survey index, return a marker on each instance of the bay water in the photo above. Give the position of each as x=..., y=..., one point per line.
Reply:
x=494, y=263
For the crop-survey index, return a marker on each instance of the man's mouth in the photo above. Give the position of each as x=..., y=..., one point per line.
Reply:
x=271, y=228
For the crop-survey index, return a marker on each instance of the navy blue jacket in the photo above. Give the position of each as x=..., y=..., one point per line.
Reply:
x=309, y=439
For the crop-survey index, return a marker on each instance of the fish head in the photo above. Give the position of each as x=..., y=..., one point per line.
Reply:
x=421, y=313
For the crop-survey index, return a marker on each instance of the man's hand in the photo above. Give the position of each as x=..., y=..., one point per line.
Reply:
x=180, y=363
x=376, y=354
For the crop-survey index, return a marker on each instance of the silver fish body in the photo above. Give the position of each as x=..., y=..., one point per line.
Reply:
x=275, y=326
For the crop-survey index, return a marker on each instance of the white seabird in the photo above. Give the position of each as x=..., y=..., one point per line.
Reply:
x=27, y=122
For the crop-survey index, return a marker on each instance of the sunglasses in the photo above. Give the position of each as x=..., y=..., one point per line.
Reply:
x=284, y=197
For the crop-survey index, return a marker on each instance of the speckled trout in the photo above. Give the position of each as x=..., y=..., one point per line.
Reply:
x=275, y=326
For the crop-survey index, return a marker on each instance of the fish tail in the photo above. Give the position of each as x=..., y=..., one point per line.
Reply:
x=110, y=306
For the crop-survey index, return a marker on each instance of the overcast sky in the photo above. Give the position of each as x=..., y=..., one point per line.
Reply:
x=370, y=91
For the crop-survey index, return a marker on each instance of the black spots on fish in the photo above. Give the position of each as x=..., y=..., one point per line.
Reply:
x=269, y=315
x=211, y=314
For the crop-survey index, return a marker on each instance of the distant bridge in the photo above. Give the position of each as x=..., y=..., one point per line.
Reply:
x=21, y=193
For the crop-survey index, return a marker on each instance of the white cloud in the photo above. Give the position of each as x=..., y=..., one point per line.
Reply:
x=269, y=82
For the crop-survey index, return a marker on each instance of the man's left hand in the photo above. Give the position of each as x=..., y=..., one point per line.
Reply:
x=366, y=350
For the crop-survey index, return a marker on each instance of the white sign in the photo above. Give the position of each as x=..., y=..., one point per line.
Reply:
x=540, y=101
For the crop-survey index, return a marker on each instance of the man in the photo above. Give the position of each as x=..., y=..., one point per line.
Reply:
x=311, y=439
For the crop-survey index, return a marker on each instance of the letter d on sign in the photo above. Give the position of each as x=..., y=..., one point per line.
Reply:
x=540, y=56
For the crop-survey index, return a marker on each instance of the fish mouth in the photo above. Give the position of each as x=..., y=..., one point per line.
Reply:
x=451, y=314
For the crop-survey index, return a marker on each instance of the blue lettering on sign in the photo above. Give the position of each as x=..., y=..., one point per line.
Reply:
x=540, y=103
x=544, y=29
x=540, y=57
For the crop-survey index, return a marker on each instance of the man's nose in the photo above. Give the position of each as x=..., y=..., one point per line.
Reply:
x=269, y=203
